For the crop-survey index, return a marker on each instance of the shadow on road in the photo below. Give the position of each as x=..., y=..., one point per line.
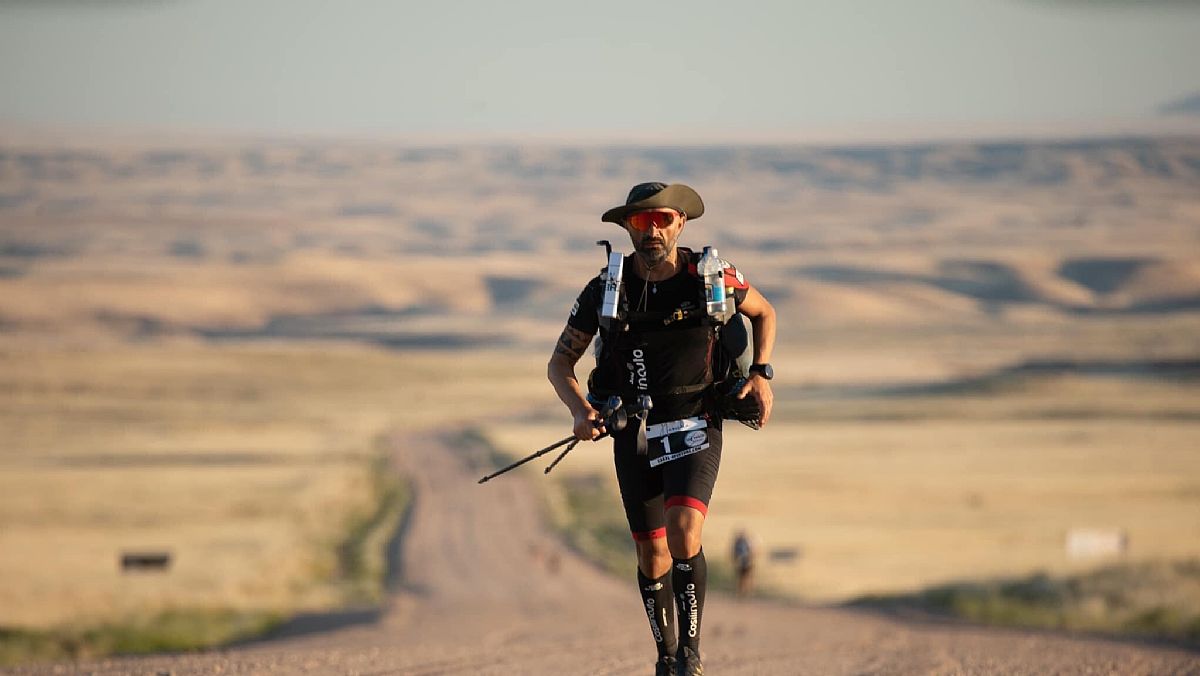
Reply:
x=913, y=615
x=316, y=623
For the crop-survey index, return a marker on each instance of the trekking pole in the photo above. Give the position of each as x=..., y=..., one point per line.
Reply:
x=535, y=454
x=615, y=420
x=568, y=450
x=611, y=415
x=562, y=455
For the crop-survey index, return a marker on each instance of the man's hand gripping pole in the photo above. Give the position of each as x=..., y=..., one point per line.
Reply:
x=527, y=458
x=613, y=417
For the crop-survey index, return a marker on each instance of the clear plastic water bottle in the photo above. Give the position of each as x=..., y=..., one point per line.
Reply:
x=713, y=273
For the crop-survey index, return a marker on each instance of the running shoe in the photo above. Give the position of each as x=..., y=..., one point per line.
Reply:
x=689, y=663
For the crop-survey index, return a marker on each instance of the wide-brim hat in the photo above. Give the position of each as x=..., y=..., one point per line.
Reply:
x=656, y=195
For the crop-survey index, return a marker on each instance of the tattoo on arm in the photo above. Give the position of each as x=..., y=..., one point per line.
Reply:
x=572, y=343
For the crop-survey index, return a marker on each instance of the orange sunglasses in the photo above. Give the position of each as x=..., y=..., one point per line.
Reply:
x=643, y=220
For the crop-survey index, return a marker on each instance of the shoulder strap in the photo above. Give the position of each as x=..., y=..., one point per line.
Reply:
x=692, y=260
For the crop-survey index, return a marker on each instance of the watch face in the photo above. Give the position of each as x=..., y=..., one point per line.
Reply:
x=764, y=369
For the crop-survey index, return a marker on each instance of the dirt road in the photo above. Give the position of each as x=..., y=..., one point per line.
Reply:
x=482, y=588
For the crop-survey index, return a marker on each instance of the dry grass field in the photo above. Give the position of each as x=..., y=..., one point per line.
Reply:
x=248, y=464
x=202, y=343
x=877, y=497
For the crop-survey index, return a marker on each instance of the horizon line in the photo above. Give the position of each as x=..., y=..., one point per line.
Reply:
x=849, y=134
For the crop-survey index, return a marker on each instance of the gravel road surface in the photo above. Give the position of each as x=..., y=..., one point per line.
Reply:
x=482, y=587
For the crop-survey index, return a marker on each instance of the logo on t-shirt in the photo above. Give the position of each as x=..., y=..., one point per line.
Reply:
x=637, y=371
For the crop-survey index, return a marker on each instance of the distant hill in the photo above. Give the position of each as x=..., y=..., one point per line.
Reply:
x=348, y=241
x=1189, y=105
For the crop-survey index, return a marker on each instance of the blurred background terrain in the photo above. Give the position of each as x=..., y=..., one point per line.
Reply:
x=982, y=347
x=236, y=262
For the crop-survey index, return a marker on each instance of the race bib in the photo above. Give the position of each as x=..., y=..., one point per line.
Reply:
x=673, y=440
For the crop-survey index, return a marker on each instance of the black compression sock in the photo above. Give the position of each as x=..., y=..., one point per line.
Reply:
x=656, y=601
x=689, y=577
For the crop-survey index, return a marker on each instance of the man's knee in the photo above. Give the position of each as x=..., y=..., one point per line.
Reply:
x=684, y=528
x=654, y=559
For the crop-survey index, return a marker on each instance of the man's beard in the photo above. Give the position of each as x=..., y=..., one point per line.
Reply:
x=652, y=256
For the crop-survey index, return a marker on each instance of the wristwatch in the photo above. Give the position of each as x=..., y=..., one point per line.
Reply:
x=763, y=370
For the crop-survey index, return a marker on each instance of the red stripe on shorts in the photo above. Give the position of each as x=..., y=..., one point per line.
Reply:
x=685, y=501
x=650, y=535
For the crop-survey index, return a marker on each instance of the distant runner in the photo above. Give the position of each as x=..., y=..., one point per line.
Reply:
x=660, y=313
x=743, y=562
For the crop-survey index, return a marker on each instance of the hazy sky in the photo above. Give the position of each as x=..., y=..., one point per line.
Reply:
x=555, y=66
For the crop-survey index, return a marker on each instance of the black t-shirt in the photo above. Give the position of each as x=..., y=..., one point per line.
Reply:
x=667, y=351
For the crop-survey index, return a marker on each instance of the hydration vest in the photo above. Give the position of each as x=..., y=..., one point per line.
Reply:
x=684, y=330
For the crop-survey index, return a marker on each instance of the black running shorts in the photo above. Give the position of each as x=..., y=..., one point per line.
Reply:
x=647, y=492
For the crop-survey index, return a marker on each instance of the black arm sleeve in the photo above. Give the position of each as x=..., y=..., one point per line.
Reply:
x=585, y=314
